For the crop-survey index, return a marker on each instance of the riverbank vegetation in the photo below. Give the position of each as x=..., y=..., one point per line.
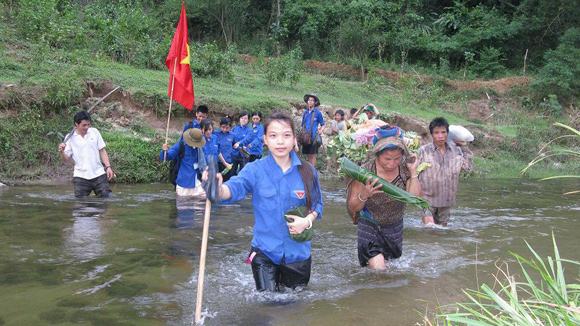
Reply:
x=539, y=294
x=419, y=61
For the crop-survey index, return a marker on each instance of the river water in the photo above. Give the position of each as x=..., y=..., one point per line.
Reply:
x=133, y=259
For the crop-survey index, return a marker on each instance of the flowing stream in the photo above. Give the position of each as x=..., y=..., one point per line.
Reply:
x=133, y=259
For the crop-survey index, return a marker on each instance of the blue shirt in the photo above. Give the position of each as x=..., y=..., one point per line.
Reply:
x=193, y=159
x=239, y=132
x=274, y=193
x=225, y=144
x=318, y=120
x=192, y=124
x=255, y=143
x=211, y=146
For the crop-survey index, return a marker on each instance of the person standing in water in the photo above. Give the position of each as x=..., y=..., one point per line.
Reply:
x=379, y=218
x=278, y=182
x=240, y=132
x=439, y=182
x=312, y=122
x=86, y=149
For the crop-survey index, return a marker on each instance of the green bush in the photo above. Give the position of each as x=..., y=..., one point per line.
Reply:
x=207, y=60
x=135, y=159
x=286, y=68
x=560, y=74
x=490, y=63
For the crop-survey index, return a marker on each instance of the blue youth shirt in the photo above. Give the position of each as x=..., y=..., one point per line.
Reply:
x=239, y=132
x=190, y=163
x=317, y=120
x=225, y=144
x=273, y=193
x=256, y=142
x=211, y=146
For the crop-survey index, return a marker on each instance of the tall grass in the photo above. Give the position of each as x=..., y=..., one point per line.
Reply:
x=540, y=296
x=547, y=152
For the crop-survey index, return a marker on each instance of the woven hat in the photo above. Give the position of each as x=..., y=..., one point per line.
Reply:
x=194, y=137
x=316, y=100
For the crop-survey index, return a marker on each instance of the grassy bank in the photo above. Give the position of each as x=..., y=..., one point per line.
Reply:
x=43, y=87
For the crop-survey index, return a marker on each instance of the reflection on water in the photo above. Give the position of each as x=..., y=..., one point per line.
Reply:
x=133, y=259
x=84, y=239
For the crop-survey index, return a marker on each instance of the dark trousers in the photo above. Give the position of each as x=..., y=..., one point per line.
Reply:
x=269, y=276
x=238, y=164
x=99, y=185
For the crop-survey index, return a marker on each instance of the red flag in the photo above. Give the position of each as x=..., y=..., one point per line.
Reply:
x=179, y=50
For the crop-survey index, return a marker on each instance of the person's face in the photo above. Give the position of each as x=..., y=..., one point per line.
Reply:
x=337, y=117
x=390, y=160
x=369, y=114
x=244, y=120
x=225, y=128
x=82, y=127
x=439, y=136
x=279, y=138
x=200, y=116
x=256, y=119
x=207, y=132
x=311, y=102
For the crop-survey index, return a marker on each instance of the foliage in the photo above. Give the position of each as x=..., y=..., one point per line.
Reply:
x=207, y=60
x=559, y=76
x=542, y=297
x=344, y=145
x=134, y=158
x=571, y=153
x=287, y=67
x=490, y=63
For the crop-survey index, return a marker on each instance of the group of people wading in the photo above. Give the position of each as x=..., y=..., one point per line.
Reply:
x=282, y=184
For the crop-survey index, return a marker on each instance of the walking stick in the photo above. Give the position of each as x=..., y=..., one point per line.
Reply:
x=212, y=194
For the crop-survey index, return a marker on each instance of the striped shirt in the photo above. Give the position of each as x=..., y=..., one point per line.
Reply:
x=439, y=182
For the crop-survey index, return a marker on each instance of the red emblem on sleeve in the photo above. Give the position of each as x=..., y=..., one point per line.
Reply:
x=299, y=193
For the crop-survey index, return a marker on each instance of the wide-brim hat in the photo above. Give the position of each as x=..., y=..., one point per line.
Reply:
x=316, y=100
x=194, y=137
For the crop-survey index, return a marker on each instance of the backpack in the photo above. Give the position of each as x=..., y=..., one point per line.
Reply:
x=176, y=163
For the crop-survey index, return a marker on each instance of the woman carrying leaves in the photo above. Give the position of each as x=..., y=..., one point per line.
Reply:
x=379, y=218
x=279, y=182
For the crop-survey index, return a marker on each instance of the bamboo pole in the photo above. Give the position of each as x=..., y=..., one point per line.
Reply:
x=202, y=255
x=170, y=104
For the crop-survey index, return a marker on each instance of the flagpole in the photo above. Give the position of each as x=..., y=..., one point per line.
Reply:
x=170, y=103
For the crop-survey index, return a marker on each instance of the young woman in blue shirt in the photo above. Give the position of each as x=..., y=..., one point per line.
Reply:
x=225, y=145
x=240, y=132
x=278, y=182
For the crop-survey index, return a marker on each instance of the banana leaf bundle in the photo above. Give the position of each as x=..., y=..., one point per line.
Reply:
x=302, y=212
x=350, y=169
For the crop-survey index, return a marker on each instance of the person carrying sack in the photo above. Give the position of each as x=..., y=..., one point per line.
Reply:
x=312, y=123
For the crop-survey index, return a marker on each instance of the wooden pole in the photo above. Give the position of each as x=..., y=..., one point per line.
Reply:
x=169, y=111
x=201, y=275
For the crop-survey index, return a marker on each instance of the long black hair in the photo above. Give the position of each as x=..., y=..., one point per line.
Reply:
x=305, y=169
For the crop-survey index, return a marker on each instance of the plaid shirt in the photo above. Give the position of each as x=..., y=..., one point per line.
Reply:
x=439, y=182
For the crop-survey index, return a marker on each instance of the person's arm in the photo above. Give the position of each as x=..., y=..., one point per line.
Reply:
x=257, y=141
x=106, y=163
x=413, y=185
x=65, y=153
